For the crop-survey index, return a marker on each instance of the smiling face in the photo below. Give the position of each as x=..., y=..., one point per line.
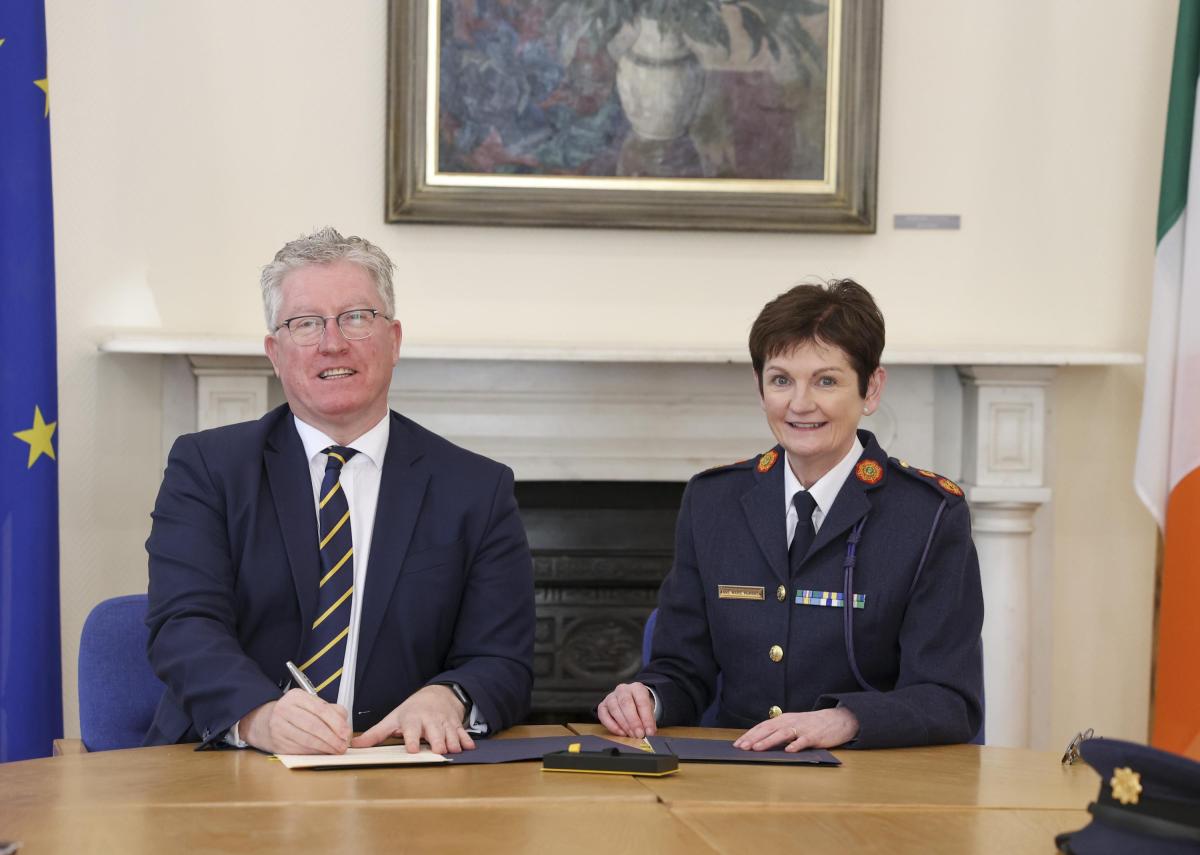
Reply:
x=813, y=406
x=339, y=387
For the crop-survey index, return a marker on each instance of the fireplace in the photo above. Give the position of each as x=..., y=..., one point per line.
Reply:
x=600, y=552
x=567, y=419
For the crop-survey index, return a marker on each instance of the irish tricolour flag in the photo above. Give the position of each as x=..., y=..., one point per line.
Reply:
x=1167, y=476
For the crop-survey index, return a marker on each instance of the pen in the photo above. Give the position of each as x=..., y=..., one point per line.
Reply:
x=301, y=680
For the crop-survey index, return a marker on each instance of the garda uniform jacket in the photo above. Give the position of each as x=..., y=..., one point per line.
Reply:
x=916, y=641
x=234, y=568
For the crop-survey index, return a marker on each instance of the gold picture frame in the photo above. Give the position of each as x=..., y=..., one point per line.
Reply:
x=487, y=125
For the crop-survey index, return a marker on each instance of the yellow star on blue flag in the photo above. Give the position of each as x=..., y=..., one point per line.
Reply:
x=44, y=85
x=38, y=437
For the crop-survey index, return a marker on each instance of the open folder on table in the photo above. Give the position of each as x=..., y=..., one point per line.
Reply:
x=486, y=751
x=722, y=751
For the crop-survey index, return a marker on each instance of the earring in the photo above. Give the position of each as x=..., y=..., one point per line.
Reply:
x=866, y=411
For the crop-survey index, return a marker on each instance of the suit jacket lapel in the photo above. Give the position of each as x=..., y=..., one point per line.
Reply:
x=292, y=493
x=765, y=514
x=401, y=491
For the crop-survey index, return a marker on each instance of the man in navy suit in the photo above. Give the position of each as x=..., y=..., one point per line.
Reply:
x=410, y=611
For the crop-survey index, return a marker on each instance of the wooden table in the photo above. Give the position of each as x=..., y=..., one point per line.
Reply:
x=951, y=799
x=945, y=799
x=946, y=776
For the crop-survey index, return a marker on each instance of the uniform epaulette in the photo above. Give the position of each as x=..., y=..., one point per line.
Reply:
x=763, y=463
x=942, y=484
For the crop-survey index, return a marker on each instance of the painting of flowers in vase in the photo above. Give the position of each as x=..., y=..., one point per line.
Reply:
x=714, y=89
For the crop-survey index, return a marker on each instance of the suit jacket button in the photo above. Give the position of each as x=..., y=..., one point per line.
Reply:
x=776, y=653
x=774, y=712
x=781, y=593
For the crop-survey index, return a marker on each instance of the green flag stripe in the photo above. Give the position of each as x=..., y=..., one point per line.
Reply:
x=1181, y=108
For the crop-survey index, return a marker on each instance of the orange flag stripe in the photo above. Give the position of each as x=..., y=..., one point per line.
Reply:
x=1177, y=676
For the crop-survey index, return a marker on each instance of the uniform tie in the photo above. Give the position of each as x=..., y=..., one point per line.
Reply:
x=326, y=648
x=805, y=504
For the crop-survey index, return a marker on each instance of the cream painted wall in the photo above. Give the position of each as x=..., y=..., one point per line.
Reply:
x=191, y=140
x=1104, y=555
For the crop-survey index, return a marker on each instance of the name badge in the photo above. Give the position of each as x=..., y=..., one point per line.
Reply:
x=832, y=599
x=740, y=592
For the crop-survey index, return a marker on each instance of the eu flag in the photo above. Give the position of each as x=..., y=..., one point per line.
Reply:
x=30, y=659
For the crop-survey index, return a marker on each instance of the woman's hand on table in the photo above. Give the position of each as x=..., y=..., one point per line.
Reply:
x=826, y=728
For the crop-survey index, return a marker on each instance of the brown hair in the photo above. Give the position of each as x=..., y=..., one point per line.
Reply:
x=841, y=313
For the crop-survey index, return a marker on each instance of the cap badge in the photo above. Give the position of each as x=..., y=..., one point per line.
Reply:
x=1126, y=785
x=767, y=461
x=868, y=471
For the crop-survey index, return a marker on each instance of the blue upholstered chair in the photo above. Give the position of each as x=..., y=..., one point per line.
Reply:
x=118, y=692
x=709, y=719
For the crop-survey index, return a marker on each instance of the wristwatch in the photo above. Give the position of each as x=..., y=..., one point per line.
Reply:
x=461, y=694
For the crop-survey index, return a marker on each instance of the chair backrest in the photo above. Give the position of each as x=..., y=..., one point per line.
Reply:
x=647, y=634
x=118, y=692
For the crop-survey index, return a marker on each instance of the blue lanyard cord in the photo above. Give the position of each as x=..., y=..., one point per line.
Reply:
x=848, y=607
x=928, y=543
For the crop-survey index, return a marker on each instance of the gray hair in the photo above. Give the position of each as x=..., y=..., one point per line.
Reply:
x=325, y=246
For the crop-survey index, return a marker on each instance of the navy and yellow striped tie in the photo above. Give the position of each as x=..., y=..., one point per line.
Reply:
x=326, y=648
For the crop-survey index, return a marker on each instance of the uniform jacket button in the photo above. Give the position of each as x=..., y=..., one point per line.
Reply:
x=776, y=653
x=781, y=593
x=773, y=712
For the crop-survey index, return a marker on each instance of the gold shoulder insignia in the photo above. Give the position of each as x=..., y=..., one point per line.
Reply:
x=767, y=461
x=950, y=487
x=933, y=479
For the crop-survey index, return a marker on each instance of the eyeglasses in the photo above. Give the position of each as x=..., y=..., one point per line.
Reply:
x=1072, y=753
x=355, y=324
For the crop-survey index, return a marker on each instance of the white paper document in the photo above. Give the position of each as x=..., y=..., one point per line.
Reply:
x=380, y=755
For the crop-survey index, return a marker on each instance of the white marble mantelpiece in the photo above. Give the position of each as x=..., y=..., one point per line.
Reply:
x=213, y=345
x=641, y=413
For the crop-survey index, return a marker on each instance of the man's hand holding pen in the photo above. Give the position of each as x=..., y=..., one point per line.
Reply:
x=298, y=723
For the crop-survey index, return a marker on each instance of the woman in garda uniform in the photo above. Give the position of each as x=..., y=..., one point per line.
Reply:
x=833, y=589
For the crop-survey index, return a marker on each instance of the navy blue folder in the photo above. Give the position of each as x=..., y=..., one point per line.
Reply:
x=722, y=751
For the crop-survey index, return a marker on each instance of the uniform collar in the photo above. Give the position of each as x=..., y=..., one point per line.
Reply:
x=827, y=487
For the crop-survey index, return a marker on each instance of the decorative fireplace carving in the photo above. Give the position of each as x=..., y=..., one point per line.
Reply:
x=600, y=551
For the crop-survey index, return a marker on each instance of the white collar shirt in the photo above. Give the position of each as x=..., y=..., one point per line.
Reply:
x=824, y=491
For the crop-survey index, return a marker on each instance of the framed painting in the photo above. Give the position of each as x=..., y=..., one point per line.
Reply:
x=677, y=114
